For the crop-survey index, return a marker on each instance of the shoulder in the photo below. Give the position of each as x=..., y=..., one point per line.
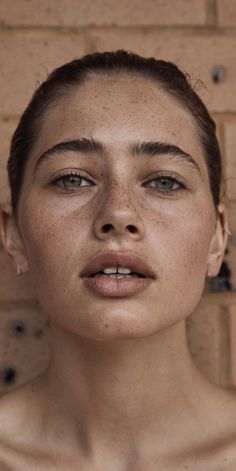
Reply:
x=216, y=443
x=13, y=418
x=7, y=419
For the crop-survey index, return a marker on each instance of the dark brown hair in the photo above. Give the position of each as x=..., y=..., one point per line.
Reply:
x=74, y=73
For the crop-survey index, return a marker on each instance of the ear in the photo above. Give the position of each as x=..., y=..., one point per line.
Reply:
x=218, y=242
x=12, y=240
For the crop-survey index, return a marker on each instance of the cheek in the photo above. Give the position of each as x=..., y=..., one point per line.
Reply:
x=180, y=241
x=51, y=240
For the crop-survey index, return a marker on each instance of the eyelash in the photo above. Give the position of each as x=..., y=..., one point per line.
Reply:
x=164, y=176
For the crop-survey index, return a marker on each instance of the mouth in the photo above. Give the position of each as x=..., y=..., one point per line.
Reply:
x=105, y=286
x=118, y=265
x=116, y=276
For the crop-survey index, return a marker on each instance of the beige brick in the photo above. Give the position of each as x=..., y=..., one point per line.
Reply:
x=231, y=257
x=7, y=128
x=207, y=330
x=13, y=287
x=25, y=61
x=26, y=57
x=24, y=344
x=226, y=12
x=230, y=157
x=98, y=12
x=232, y=329
x=197, y=55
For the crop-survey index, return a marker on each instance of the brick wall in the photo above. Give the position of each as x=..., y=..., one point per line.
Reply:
x=38, y=35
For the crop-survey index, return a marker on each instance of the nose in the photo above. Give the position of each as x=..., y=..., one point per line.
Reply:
x=118, y=218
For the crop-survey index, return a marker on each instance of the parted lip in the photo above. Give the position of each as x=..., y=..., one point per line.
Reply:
x=115, y=259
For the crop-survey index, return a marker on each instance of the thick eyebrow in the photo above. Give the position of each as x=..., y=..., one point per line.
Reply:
x=147, y=148
x=153, y=148
x=83, y=145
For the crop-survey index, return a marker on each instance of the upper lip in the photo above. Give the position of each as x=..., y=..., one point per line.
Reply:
x=122, y=259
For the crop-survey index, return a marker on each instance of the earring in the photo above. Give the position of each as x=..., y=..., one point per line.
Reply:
x=18, y=269
x=209, y=272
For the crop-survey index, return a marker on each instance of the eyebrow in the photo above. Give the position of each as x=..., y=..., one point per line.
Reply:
x=146, y=148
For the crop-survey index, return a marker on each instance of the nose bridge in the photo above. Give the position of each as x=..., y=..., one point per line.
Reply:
x=119, y=191
x=118, y=213
x=119, y=199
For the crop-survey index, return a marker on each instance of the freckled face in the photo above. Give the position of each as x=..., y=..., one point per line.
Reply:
x=61, y=218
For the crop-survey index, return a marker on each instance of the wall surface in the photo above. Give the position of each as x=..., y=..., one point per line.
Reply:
x=200, y=37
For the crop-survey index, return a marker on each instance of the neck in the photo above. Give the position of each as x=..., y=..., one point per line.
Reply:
x=130, y=388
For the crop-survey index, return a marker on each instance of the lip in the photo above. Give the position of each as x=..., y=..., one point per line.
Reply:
x=122, y=259
x=116, y=287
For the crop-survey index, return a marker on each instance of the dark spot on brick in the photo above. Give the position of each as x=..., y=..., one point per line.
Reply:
x=38, y=333
x=18, y=328
x=9, y=375
x=218, y=74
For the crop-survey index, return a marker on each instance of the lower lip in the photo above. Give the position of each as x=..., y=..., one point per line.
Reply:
x=116, y=287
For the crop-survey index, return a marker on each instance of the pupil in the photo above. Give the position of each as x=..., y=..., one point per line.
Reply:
x=166, y=182
x=71, y=180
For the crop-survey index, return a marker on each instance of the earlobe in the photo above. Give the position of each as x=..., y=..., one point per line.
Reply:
x=218, y=242
x=12, y=240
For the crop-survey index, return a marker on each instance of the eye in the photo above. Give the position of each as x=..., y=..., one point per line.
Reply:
x=166, y=184
x=72, y=181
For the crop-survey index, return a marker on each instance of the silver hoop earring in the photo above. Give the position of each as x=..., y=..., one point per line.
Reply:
x=18, y=270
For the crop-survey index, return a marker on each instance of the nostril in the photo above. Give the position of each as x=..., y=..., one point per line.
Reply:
x=106, y=227
x=132, y=228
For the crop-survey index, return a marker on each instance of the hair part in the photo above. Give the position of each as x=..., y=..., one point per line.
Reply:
x=73, y=74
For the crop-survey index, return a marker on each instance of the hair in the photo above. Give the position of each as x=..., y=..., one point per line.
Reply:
x=73, y=74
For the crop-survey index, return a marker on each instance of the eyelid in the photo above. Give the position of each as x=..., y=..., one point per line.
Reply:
x=65, y=172
x=73, y=173
x=175, y=179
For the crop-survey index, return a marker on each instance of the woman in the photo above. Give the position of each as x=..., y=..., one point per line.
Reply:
x=115, y=178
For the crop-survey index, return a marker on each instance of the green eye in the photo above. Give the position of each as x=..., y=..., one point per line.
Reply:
x=165, y=183
x=70, y=181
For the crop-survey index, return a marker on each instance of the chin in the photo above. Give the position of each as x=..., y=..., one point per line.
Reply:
x=110, y=324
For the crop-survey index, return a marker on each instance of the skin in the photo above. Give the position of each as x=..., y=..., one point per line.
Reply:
x=121, y=391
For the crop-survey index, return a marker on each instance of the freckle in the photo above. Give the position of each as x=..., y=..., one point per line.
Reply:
x=106, y=325
x=38, y=333
x=18, y=328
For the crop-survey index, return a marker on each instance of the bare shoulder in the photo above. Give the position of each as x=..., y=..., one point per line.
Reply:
x=215, y=448
x=14, y=428
x=22, y=440
x=12, y=407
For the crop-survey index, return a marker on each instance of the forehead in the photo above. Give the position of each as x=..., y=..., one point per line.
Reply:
x=117, y=109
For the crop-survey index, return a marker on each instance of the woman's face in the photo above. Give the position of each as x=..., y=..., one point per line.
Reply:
x=61, y=219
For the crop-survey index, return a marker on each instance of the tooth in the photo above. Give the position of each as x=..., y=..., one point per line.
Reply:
x=124, y=270
x=109, y=270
